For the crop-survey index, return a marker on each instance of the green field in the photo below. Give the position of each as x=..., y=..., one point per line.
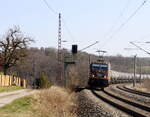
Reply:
x=18, y=108
x=9, y=88
x=1, y=73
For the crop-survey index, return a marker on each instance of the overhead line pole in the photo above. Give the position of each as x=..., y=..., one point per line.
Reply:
x=60, y=74
x=134, y=78
x=59, y=39
x=134, y=66
x=140, y=72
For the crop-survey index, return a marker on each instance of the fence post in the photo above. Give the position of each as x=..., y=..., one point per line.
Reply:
x=0, y=80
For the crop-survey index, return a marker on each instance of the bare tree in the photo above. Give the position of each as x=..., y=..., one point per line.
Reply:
x=13, y=48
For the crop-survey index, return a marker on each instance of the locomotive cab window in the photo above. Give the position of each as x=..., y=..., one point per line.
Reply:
x=99, y=67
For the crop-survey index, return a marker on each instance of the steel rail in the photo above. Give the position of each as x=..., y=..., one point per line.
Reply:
x=134, y=91
x=118, y=106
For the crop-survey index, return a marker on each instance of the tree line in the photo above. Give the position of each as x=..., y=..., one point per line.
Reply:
x=17, y=58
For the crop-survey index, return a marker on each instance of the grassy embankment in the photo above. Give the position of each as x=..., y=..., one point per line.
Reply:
x=9, y=88
x=144, y=86
x=52, y=102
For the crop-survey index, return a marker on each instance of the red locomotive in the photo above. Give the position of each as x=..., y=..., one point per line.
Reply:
x=99, y=74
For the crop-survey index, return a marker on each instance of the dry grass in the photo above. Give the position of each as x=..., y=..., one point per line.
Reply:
x=144, y=86
x=52, y=102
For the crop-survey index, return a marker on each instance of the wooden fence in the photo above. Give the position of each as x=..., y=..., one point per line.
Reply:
x=6, y=80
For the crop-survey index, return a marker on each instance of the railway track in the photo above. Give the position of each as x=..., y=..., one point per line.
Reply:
x=133, y=91
x=131, y=96
x=134, y=109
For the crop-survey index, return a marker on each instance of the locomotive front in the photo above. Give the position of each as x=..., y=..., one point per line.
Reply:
x=99, y=74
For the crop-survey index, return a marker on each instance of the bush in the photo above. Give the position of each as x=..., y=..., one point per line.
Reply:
x=44, y=82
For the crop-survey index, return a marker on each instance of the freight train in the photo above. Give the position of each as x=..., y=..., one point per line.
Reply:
x=101, y=76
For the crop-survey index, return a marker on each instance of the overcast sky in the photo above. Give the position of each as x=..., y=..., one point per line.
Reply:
x=87, y=20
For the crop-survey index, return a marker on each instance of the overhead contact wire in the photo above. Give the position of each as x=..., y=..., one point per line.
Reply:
x=49, y=7
x=56, y=13
x=68, y=30
x=128, y=19
x=119, y=17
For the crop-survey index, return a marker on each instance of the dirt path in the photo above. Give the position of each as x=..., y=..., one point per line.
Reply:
x=8, y=97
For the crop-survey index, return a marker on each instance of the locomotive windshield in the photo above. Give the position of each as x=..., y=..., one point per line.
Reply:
x=99, y=74
x=99, y=66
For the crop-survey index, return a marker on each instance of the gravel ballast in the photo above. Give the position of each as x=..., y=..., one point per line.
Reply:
x=91, y=106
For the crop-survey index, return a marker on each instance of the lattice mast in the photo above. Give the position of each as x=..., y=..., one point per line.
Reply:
x=59, y=50
x=59, y=40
